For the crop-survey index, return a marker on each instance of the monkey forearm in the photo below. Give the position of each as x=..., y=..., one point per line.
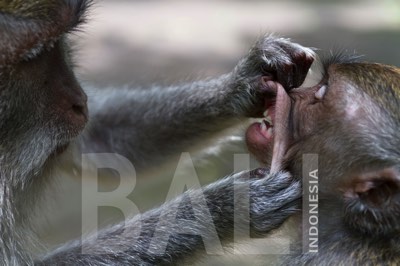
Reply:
x=148, y=125
x=179, y=228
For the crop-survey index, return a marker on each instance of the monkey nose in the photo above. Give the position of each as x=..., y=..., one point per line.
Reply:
x=78, y=101
x=80, y=110
x=74, y=108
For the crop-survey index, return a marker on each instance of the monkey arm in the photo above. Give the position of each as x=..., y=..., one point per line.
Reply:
x=196, y=219
x=147, y=126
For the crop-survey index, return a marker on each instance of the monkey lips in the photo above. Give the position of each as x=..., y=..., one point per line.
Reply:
x=271, y=135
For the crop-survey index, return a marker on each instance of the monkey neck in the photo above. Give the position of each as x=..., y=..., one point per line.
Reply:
x=13, y=239
x=18, y=197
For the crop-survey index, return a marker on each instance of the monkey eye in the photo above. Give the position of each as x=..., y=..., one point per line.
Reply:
x=39, y=49
x=319, y=95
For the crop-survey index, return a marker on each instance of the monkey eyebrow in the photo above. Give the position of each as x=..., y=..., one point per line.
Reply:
x=338, y=57
x=37, y=50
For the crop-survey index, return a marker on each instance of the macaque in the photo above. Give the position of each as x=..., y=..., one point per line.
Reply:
x=350, y=120
x=46, y=115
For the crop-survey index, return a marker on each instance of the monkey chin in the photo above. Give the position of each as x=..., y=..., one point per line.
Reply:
x=271, y=135
x=74, y=128
x=64, y=144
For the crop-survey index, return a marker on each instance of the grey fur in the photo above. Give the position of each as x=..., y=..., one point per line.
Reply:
x=146, y=126
x=272, y=199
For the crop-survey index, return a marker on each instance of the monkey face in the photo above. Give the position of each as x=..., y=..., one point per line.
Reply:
x=42, y=108
x=289, y=118
x=344, y=121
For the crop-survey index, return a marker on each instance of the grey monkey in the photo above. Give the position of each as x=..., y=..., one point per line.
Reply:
x=43, y=111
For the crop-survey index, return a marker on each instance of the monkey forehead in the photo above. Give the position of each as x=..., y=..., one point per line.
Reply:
x=56, y=16
x=380, y=82
x=28, y=28
x=73, y=10
x=366, y=106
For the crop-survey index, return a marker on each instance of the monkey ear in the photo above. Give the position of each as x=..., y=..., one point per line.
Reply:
x=374, y=188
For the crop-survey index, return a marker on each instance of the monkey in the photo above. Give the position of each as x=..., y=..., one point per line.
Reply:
x=44, y=115
x=350, y=121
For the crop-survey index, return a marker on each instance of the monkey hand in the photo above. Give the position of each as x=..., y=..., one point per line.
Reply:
x=273, y=198
x=271, y=58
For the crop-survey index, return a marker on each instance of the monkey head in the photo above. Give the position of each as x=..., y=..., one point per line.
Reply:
x=42, y=106
x=350, y=119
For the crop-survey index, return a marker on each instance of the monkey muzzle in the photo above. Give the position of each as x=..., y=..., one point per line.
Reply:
x=271, y=136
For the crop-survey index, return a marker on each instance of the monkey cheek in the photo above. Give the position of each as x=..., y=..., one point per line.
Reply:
x=373, y=221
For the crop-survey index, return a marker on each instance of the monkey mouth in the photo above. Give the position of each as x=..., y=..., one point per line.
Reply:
x=271, y=134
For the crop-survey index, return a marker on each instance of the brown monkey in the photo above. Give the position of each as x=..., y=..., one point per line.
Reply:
x=351, y=121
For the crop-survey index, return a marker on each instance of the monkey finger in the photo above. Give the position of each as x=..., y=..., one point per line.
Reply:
x=292, y=73
x=259, y=173
x=268, y=211
x=264, y=223
x=300, y=72
x=272, y=184
x=268, y=85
